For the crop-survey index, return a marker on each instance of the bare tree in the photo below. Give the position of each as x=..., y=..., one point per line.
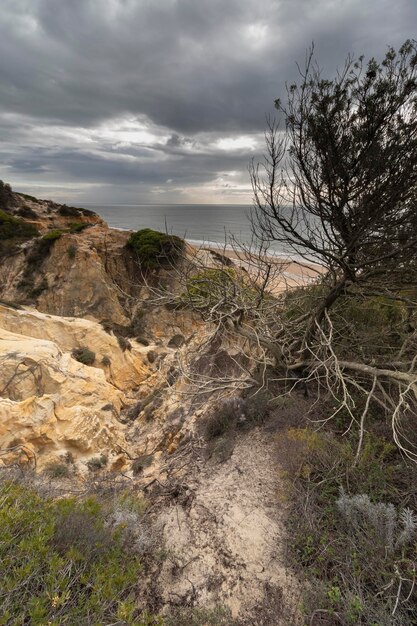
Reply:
x=339, y=186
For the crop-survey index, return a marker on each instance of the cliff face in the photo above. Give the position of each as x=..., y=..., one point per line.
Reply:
x=91, y=369
x=123, y=369
x=76, y=280
x=51, y=403
x=44, y=214
x=76, y=266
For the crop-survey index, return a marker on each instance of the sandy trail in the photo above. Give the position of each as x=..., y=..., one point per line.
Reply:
x=226, y=542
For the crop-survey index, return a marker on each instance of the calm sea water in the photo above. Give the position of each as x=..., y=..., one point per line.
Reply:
x=195, y=222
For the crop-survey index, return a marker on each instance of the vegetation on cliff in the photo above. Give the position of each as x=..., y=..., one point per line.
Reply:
x=154, y=249
x=13, y=232
x=6, y=195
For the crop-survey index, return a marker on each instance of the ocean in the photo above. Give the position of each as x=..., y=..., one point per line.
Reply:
x=198, y=223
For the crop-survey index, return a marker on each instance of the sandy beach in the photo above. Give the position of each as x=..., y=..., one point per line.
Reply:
x=285, y=273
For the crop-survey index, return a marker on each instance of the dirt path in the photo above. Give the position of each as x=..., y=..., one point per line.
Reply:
x=226, y=542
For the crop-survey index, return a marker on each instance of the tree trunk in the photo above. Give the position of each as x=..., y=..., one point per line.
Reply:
x=317, y=318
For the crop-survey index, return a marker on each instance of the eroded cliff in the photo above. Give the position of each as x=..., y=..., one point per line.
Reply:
x=93, y=370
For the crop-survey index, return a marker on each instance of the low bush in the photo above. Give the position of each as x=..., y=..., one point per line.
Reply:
x=72, y=251
x=13, y=232
x=127, y=514
x=26, y=211
x=176, y=341
x=140, y=339
x=124, y=344
x=141, y=463
x=222, y=420
x=78, y=227
x=28, y=197
x=236, y=412
x=87, y=212
x=68, y=211
x=6, y=194
x=84, y=355
x=97, y=463
x=62, y=563
x=256, y=408
x=56, y=469
x=53, y=235
x=68, y=458
x=108, y=407
x=154, y=249
x=11, y=305
x=352, y=528
x=133, y=412
x=209, y=286
x=151, y=355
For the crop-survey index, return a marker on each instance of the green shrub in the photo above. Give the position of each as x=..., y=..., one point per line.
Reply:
x=141, y=463
x=209, y=285
x=131, y=502
x=62, y=564
x=6, y=194
x=255, y=408
x=97, y=463
x=235, y=412
x=26, y=211
x=132, y=413
x=55, y=469
x=355, y=549
x=223, y=419
x=124, y=344
x=68, y=211
x=87, y=212
x=154, y=249
x=77, y=227
x=14, y=231
x=72, y=251
x=68, y=458
x=53, y=235
x=28, y=197
x=176, y=341
x=84, y=355
x=151, y=355
x=11, y=305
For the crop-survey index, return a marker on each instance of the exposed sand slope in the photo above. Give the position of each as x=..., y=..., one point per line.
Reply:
x=226, y=539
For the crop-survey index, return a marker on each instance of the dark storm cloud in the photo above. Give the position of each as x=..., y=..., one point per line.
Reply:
x=188, y=72
x=83, y=167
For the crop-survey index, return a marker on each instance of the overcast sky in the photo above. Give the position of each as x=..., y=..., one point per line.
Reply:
x=136, y=101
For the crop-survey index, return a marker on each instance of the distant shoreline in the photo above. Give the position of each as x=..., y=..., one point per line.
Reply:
x=229, y=250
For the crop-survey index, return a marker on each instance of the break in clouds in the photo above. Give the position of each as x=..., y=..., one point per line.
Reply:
x=162, y=100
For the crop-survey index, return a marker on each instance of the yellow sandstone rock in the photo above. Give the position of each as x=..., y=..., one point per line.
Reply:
x=51, y=403
x=126, y=370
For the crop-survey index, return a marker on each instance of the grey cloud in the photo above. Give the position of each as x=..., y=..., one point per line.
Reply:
x=186, y=64
x=83, y=166
x=197, y=70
